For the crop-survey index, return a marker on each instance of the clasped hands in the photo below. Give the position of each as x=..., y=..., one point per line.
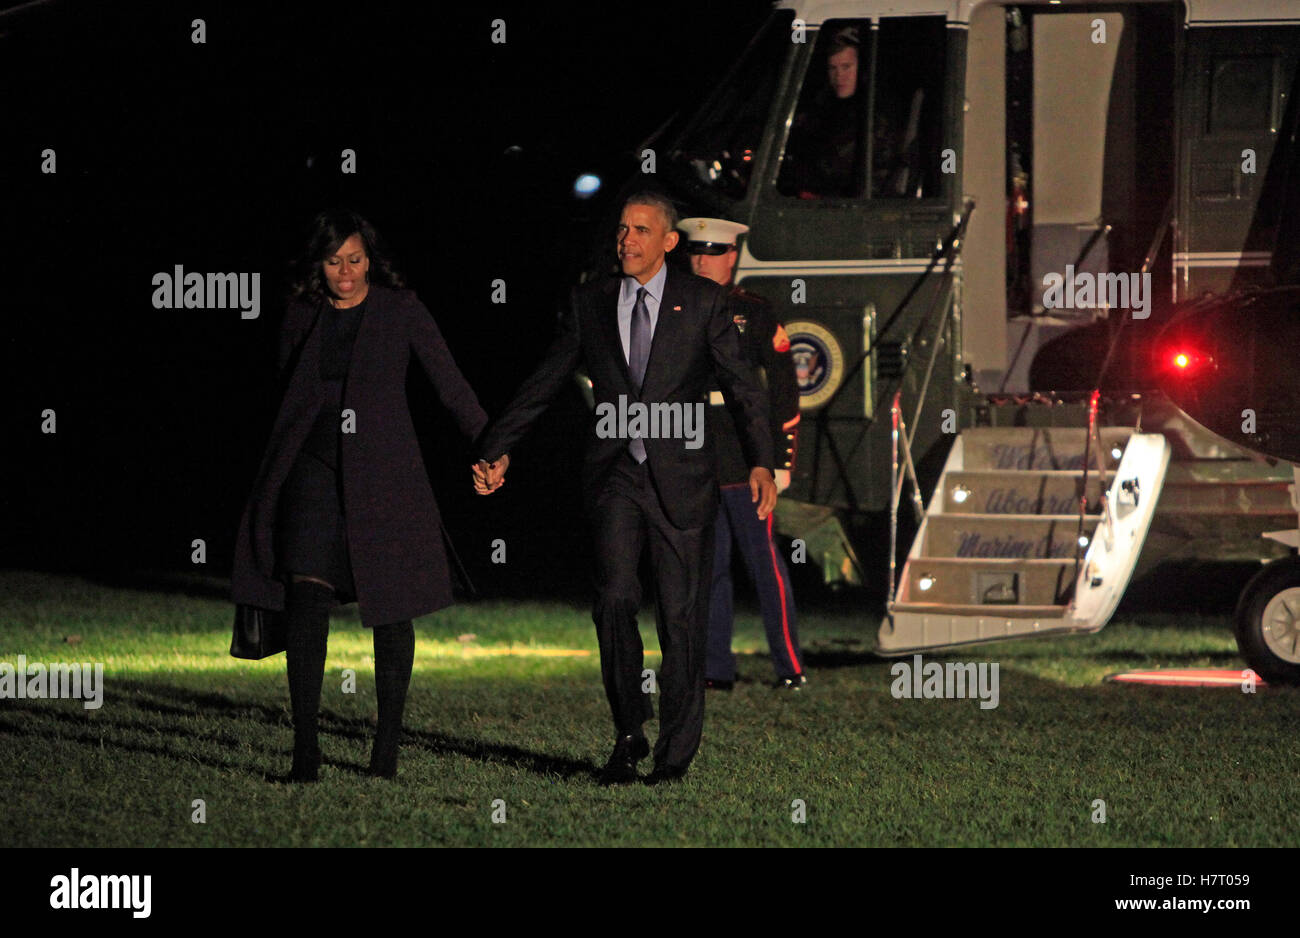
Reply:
x=490, y=476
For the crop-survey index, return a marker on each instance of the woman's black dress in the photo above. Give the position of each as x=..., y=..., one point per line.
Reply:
x=310, y=530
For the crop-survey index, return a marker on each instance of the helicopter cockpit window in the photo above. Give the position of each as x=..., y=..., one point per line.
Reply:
x=721, y=142
x=825, y=156
x=907, y=125
x=830, y=153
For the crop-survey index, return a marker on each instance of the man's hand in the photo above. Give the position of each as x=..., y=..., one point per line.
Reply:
x=488, y=477
x=782, y=480
x=762, y=488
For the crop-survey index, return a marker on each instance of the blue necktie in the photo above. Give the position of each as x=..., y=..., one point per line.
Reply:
x=638, y=356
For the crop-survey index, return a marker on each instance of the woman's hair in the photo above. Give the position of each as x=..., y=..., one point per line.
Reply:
x=328, y=232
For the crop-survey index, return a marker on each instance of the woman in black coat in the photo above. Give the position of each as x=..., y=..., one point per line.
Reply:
x=341, y=506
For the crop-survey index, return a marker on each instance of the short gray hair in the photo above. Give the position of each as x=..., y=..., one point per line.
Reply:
x=656, y=200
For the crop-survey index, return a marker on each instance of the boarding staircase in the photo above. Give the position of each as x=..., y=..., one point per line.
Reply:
x=1030, y=531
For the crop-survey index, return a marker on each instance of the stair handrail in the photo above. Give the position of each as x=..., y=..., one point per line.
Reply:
x=1103, y=487
x=896, y=481
x=1107, y=520
x=1083, y=492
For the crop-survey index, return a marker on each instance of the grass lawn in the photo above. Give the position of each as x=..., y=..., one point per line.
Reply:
x=506, y=707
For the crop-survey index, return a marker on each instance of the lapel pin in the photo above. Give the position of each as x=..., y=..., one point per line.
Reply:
x=677, y=309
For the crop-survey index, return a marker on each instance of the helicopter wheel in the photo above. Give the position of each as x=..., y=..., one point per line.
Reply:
x=1267, y=622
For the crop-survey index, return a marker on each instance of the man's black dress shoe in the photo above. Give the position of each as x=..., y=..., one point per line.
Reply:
x=621, y=767
x=665, y=773
x=713, y=684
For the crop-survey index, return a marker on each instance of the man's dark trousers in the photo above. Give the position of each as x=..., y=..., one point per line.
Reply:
x=628, y=516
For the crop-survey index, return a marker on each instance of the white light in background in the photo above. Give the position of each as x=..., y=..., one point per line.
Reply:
x=586, y=186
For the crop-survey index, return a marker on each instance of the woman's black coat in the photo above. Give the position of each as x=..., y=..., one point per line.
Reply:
x=394, y=532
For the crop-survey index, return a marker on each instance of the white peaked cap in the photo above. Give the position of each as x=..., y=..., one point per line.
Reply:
x=710, y=235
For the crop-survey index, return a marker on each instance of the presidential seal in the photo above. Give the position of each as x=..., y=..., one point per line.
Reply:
x=818, y=362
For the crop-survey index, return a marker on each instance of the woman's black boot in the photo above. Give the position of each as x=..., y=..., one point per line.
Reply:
x=394, y=654
x=307, y=635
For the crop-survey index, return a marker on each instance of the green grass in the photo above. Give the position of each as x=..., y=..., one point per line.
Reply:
x=182, y=720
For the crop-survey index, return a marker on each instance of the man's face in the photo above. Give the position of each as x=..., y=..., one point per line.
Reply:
x=717, y=267
x=643, y=239
x=842, y=69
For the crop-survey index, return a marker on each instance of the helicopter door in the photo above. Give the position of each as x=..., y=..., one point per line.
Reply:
x=1075, y=171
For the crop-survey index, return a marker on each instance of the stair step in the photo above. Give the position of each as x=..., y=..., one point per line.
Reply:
x=1010, y=536
x=989, y=582
x=1012, y=491
x=1002, y=612
x=1029, y=448
x=1002, y=563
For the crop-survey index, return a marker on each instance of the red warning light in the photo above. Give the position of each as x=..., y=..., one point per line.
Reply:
x=1187, y=362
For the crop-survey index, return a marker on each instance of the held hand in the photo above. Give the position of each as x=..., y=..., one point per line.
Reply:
x=782, y=480
x=497, y=472
x=762, y=489
x=479, y=472
x=488, y=477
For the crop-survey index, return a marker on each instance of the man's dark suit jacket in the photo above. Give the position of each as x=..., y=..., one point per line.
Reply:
x=693, y=339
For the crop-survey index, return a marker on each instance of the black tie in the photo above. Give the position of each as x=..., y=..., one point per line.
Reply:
x=638, y=356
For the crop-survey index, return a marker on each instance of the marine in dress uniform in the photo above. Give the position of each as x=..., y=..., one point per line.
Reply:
x=711, y=242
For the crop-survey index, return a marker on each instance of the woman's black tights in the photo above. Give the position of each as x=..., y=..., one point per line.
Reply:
x=307, y=637
x=394, y=654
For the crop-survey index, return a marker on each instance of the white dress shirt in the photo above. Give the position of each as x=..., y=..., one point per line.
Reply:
x=654, y=292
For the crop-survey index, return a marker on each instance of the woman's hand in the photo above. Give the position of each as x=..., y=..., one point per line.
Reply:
x=490, y=476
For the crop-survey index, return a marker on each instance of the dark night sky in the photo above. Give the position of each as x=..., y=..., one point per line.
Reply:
x=174, y=153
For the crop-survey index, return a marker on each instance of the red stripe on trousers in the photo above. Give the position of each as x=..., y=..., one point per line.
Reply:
x=780, y=585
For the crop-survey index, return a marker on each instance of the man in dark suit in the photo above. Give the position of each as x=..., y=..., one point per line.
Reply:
x=650, y=339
